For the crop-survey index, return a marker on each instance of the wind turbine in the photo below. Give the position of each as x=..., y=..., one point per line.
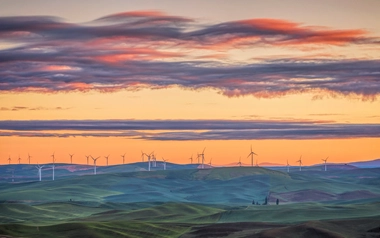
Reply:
x=257, y=163
x=164, y=162
x=149, y=160
x=198, y=155
x=191, y=159
x=142, y=156
x=239, y=163
x=71, y=158
x=325, y=163
x=154, y=160
x=287, y=165
x=300, y=161
x=203, y=158
x=19, y=159
x=87, y=156
x=53, y=165
x=39, y=167
x=29, y=157
x=9, y=160
x=210, y=162
x=107, y=158
x=251, y=154
x=95, y=159
x=123, y=157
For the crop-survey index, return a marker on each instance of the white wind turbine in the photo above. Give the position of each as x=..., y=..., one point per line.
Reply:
x=87, y=156
x=9, y=160
x=325, y=163
x=154, y=159
x=251, y=154
x=164, y=160
x=123, y=157
x=239, y=163
x=203, y=158
x=53, y=165
x=107, y=158
x=29, y=157
x=287, y=165
x=300, y=161
x=95, y=159
x=71, y=158
x=19, y=159
x=210, y=162
x=149, y=160
x=39, y=167
x=191, y=159
x=198, y=155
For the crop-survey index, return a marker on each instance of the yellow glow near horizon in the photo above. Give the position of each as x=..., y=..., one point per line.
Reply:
x=221, y=152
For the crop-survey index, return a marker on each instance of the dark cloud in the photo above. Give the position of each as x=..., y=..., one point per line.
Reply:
x=178, y=130
x=119, y=125
x=135, y=50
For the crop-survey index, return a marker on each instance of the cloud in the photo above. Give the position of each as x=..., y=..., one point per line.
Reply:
x=18, y=108
x=134, y=50
x=183, y=130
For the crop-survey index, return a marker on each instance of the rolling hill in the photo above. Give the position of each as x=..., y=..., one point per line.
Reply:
x=192, y=202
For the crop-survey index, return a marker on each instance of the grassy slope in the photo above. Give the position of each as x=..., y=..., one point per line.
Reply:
x=141, y=203
x=175, y=219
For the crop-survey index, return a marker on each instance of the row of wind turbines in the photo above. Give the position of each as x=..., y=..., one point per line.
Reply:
x=152, y=161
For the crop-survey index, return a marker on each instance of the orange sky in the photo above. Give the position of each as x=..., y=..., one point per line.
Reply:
x=136, y=78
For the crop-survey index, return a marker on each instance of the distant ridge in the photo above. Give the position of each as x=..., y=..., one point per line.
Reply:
x=367, y=164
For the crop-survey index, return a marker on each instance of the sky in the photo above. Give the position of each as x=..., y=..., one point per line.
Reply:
x=287, y=78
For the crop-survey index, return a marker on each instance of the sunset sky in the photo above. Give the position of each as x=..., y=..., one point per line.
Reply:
x=288, y=78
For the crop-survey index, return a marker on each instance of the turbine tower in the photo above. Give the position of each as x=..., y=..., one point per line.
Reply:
x=164, y=162
x=198, y=155
x=300, y=161
x=325, y=163
x=29, y=157
x=71, y=158
x=87, y=156
x=39, y=167
x=251, y=154
x=191, y=159
x=19, y=159
x=107, y=158
x=9, y=160
x=210, y=162
x=123, y=157
x=95, y=159
x=53, y=165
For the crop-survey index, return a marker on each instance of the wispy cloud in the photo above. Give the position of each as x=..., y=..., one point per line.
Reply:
x=135, y=50
x=178, y=130
x=20, y=108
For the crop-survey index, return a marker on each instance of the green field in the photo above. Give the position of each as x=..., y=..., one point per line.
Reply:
x=195, y=203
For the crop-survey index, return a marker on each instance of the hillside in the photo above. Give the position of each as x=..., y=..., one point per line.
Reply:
x=194, y=203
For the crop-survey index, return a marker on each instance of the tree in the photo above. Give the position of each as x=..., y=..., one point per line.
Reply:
x=266, y=201
x=277, y=201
